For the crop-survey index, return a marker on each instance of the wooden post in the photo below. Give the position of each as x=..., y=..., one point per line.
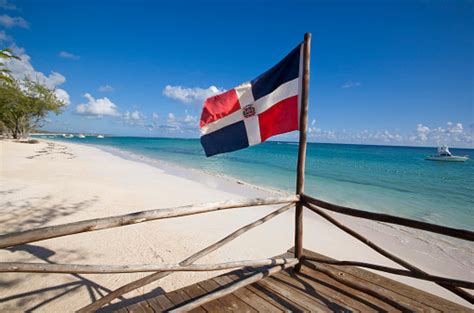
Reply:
x=302, y=150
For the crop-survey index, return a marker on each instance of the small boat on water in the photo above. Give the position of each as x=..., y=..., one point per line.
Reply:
x=100, y=136
x=68, y=135
x=81, y=136
x=446, y=156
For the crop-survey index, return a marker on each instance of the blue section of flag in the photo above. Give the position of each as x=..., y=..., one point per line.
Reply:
x=286, y=70
x=227, y=139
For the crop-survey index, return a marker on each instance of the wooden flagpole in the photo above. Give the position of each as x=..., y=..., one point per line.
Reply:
x=302, y=150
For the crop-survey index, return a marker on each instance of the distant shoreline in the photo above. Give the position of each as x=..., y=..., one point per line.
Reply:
x=270, y=140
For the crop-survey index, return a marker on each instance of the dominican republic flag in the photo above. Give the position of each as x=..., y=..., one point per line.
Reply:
x=254, y=111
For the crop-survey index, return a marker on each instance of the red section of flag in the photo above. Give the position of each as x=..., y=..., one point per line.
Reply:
x=218, y=106
x=281, y=118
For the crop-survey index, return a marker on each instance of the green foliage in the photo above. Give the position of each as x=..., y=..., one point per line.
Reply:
x=25, y=106
x=5, y=72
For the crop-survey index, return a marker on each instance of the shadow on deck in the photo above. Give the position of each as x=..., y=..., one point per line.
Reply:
x=318, y=287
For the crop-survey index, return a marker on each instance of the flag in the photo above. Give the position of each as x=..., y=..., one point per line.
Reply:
x=256, y=110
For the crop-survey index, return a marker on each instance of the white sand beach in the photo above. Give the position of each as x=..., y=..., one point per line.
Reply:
x=52, y=183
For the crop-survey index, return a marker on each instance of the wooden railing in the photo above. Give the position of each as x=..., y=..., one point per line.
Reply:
x=160, y=270
x=271, y=265
x=452, y=285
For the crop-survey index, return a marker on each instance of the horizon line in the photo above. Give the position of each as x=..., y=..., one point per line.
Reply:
x=269, y=140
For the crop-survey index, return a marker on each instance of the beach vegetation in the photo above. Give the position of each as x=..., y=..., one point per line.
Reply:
x=5, y=76
x=25, y=105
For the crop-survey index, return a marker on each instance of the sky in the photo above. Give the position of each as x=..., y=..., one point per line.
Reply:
x=382, y=72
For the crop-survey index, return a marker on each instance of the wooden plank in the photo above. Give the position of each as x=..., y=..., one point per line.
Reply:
x=279, y=293
x=160, y=303
x=228, y=290
x=230, y=302
x=286, y=292
x=376, y=284
x=178, y=297
x=142, y=306
x=318, y=287
x=340, y=293
x=396, y=300
x=247, y=296
x=276, y=299
x=427, y=277
x=195, y=292
x=397, y=291
x=333, y=298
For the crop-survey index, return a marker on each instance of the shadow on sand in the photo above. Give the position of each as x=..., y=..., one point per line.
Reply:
x=31, y=213
x=58, y=291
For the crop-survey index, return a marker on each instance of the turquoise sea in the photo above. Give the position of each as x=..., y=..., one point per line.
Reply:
x=394, y=180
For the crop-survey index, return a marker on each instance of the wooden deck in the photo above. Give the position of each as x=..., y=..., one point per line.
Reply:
x=317, y=288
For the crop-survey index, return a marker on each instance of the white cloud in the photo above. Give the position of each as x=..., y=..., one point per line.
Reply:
x=134, y=116
x=453, y=134
x=190, y=119
x=171, y=118
x=184, y=124
x=173, y=125
x=68, y=55
x=4, y=36
x=351, y=84
x=106, y=88
x=189, y=95
x=97, y=107
x=4, y=4
x=454, y=128
x=62, y=95
x=422, y=132
x=23, y=69
x=10, y=22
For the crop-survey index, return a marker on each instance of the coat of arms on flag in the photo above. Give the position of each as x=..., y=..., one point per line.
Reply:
x=256, y=110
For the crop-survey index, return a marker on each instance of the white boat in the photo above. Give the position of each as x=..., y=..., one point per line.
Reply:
x=446, y=156
x=68, y=136
x=100, y=136
x=81, y=136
